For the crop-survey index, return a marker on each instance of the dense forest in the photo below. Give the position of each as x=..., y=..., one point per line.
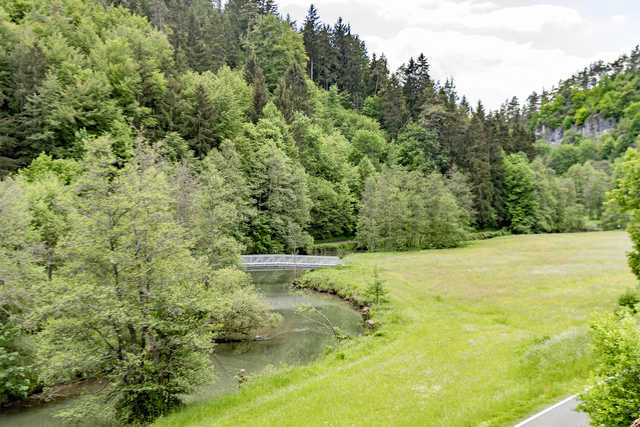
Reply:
x=146, y=144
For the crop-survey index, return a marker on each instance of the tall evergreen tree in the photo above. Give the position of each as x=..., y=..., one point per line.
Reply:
x=310, y=37
x=377, y=74
x=255, y=77
x=350, y=63
x=394, y=109
x=293, y=94
x=326, y=58
x=265, y=7
x=276, y=45
x=416, y=83
x=478, y=163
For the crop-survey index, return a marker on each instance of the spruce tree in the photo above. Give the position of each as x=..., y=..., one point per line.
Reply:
x=293, y=94
x=310, y=36
x=254, y=76
x=394, y=109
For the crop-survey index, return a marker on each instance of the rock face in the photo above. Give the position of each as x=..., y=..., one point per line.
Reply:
x=594, y=126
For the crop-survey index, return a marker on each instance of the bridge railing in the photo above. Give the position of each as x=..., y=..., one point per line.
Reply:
x=264, y=262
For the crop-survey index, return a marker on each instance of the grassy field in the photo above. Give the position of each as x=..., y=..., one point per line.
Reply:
x=479, y=336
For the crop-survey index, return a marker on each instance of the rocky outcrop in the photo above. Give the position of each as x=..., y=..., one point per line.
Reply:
x=594, y=126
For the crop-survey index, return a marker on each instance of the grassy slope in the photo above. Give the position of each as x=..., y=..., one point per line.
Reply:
x=489, y=333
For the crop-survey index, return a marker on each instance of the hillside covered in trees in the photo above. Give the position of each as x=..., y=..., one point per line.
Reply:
x=306, y=112
x=146, y=144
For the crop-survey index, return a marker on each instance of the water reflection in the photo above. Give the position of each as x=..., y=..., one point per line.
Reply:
x=299, y=339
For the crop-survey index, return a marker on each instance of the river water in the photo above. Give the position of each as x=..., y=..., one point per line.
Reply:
x=299, y=339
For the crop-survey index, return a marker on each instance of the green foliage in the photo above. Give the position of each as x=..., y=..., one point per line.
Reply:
x=255, y=77
x=370, y=144
x=146, y=305
x=17, y=377
x=334, y=248
x=376, y=290
x=292, y=94
x=418, y=149
x=394, y=109
x=332, y=212
x=539, y=201
x=19, y=249
x=65, y=170
x=629, y=300
x=278, y=183
x=519, y=186
x=626, y=197
x=488, y=234
x=581, y=115
x=372, y=107
x=276, y=46
x=563, y=157
x=403, y=210
x=75, y=68
x=591, y=186
x=19, y=276
x=213, y=107
x=614, y=400
x=542, y=148
x=221, y=205
x=49, y=204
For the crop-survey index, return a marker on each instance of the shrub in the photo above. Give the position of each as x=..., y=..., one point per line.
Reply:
x=489, y=234
x=614, y=400
x=16, y=377
x=376, y=289
x=629, y=299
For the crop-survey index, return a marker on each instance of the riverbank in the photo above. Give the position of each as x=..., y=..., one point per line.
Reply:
x=297, y=339
x=481, y=335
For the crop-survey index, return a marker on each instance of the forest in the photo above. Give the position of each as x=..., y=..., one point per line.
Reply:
x=145, y=145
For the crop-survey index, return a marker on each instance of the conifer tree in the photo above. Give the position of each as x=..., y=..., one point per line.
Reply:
x=394, y=109
x=310, y=36
x=293, y=94
x=255, y=77
x=266, y=7
x=377, y=74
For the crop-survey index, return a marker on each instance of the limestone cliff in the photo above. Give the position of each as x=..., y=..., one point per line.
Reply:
x=594, y=126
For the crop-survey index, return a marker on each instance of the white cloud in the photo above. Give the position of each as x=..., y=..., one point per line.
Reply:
x=619, y=19
x=483, y=66
x=477, y=15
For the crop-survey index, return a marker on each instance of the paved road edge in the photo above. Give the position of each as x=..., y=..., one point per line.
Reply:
x=545, y=411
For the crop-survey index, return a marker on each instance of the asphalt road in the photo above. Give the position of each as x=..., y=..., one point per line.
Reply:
x=562, y=414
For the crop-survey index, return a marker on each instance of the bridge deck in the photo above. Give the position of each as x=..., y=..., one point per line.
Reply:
x=288, y=262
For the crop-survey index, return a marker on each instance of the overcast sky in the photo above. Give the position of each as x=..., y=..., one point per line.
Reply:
x=494, y=49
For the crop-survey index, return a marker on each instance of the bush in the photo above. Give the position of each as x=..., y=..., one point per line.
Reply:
x=629, y=299
x=16, y=377
x=334, y=248
x=376, y=290
x=489, y=234
x=614, y=400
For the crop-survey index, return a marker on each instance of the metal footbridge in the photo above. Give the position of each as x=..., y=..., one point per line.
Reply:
x=288, y=262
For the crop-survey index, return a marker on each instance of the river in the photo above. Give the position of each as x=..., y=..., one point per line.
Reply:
x=299, y=339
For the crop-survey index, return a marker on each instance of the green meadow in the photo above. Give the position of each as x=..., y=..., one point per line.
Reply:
x=477, y=336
